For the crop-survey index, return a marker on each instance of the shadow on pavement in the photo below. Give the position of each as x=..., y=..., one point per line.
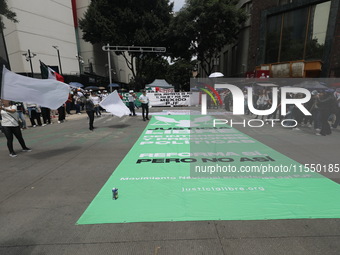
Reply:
x=118, y=126
x=22, y=248
x=53, y=153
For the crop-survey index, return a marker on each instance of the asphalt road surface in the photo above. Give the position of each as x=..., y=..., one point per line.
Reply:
x=44, y=192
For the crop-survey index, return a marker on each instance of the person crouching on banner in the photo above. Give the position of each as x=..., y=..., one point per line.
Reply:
x=144, y=99
x=89, y=107
x=132, y=98
x=10, y=125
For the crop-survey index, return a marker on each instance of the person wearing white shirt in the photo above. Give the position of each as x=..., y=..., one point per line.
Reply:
x=96, y=100
x=33, y=113
x=144, y=99
x=337, y=108
x=10, y=126
x=132, y=98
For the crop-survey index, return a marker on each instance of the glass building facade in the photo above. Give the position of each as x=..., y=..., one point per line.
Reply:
x=298, y=34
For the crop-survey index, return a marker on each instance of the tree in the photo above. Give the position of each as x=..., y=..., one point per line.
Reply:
x=4, y=11
x=203, y=27
x=154, y=67
x=180, y=72
x=128, y=23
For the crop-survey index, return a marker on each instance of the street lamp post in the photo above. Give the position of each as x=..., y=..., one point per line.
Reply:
x=29, y=57
x=56, y=47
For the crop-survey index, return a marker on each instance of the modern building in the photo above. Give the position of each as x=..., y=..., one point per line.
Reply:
x=234, y=58
x=288, y=38
x=48, y=31
x=295, y=38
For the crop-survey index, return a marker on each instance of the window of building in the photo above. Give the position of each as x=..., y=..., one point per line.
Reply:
x=317, y=28
x=293, y=34
x=298, y=34
x=273, y=38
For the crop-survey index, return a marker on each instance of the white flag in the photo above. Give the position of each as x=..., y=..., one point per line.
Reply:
x=113, y=104
x=44, y=92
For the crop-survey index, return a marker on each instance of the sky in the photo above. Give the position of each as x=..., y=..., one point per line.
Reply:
x=178, y=4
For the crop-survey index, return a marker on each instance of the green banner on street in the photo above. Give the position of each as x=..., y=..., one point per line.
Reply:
x=184, y=169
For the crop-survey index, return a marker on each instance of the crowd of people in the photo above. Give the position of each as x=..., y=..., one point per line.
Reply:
x=324, y=106
x=13, y=120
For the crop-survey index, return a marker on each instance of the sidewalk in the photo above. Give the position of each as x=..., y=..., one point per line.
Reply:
x=44, y=192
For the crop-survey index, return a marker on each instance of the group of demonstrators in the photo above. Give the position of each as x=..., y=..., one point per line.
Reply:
x=143, y=99
x=13, y=113
x=324, y=106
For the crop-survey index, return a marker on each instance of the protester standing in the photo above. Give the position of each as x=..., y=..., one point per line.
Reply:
x=61, y=114
x=89, y=107
x=68, y=104
x=144, y=99
x=77, y=103
x=262, y=102
x=34, y=114
x=325, y=102
x=132, y=98
x=315, y=110
x=96, y=100
x=21, y=114
x=337, y=108
x=10, y=125
x=227, y=100
x=46, y=115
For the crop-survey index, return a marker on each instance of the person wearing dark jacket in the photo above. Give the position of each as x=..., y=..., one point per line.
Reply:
x=325, y=104
x=89, y=107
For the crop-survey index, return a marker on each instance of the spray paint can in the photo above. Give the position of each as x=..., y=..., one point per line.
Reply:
x=114, y=193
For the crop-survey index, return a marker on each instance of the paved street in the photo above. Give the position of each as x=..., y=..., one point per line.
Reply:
x=44, y=192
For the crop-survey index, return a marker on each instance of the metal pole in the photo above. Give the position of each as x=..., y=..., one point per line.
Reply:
x=80, y=69
x=30, y=59
x=61, y=71
x=141, y=49
x=109, y=62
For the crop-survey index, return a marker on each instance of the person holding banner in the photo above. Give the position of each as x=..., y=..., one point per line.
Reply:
x=10, y=126
x=144, y=99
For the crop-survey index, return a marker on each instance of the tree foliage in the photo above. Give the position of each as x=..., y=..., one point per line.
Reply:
x=154, y=67
x=202, y=27
x=5, y=11
x=180, y=72
x=128, y=23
